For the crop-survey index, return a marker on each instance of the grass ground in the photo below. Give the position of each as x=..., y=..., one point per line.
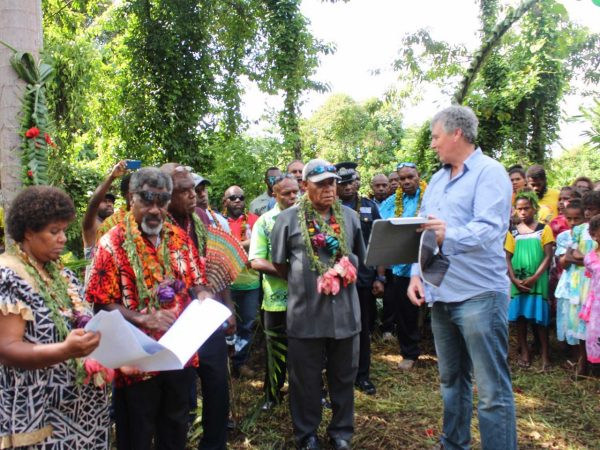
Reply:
x=554, y=410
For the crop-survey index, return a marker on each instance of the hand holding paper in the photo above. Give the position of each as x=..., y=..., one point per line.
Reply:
x=122, y=344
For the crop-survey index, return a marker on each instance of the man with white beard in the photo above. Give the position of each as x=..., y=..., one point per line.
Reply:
x=144, y=267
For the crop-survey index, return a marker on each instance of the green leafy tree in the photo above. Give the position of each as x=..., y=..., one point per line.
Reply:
x=579, y=161
x=592, y=115
x=517, y=78
x=369, y=133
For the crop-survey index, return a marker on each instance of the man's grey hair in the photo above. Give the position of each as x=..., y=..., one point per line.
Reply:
x=461, y=117
x=151, y=177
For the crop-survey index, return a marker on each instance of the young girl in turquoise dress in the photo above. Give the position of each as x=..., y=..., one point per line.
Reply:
x=529, y=248
x=591, y=310
x=574, y=215
x=582, y=244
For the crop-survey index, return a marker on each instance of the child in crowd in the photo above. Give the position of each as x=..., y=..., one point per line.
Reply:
x=582, y=243
x=529, y=246
x=574, y=216
x=591, y=310
x=559, y=223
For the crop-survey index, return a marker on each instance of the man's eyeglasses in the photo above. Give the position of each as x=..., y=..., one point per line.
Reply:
x=149, y=198
x=321, y=169
x=233, y=198
x=183, y=169
x=406, y=164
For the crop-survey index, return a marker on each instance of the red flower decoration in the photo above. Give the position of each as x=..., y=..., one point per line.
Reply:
x=429, y=432
x=32, y=133
x=97, y=373
x=30, y=174
x=49, y=140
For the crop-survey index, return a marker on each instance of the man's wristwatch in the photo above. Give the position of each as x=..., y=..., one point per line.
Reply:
x=381, y=278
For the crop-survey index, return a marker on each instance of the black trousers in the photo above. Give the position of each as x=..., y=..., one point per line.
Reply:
x=366, y=300
x=305, y=362
x=275, y=322
x=157, y=409
x=213, y=374
x=405, y=318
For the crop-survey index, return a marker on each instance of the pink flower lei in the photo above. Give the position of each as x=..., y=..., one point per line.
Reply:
x=318, y=234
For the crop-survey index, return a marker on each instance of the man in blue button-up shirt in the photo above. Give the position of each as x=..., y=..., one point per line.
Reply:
x=468, y=204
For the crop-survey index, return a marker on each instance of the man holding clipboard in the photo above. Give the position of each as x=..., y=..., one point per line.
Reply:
x=467, y=203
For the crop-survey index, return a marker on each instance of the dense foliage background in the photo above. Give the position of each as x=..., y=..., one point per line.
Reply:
x=162, y=81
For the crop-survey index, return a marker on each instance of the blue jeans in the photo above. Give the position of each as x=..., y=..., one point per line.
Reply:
x=472, y=337
x=246, y=308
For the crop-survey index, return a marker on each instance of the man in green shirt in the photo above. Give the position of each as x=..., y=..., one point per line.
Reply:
x=275, y=289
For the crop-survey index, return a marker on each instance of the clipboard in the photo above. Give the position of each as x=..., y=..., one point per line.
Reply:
x=394, y=241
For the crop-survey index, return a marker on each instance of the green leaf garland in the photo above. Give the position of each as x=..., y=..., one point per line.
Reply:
x=307, y=213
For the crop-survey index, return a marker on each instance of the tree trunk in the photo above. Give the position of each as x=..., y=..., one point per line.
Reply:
x=21, y=28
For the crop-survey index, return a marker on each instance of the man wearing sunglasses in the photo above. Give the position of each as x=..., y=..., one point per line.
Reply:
x=399, y=314
x=371, y=281
x=128, y=268
x=320, y=321
x=266, y=200
x=245, y=290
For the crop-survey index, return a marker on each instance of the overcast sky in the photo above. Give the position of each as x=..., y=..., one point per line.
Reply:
x=367, y=35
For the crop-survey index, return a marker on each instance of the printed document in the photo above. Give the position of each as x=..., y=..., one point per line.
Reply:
x=123, y=344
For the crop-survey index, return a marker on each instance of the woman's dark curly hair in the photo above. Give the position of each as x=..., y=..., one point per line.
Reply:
x=35, y=207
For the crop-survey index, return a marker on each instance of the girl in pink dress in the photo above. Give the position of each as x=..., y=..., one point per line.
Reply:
x=591, y=310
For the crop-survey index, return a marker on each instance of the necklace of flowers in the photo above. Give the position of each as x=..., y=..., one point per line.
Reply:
x=201, y=233
x=215, y=218
x=199, y=229
x=59, y=295
x=149, y=271
x=317, y=233
x=66, y=307
x=400, y=201
x=243, y=226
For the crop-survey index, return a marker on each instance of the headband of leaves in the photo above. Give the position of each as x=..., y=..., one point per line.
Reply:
x=530, y=196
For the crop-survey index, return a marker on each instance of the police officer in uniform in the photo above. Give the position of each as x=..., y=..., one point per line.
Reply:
x=371, y=281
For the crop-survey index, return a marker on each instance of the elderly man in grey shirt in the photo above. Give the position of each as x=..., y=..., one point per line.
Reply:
x=317, y=245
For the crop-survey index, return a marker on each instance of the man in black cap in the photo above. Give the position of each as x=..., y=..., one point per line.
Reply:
x=370, y=282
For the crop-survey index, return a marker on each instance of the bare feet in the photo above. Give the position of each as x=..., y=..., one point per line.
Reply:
x=524, y=360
